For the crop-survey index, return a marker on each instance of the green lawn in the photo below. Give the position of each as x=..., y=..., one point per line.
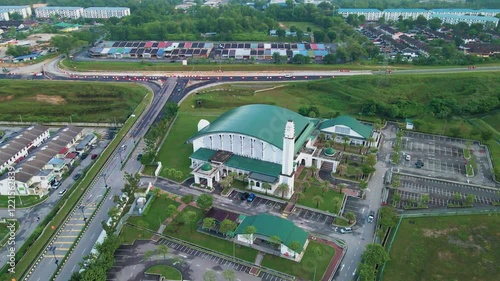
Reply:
x=328, y=196
x=446, y=248
x=57, y=101
x=187, y=232
x=174, y=152
x=167, y=272
x=305, y=270
x=26, y=254
x=493, y=119
x=149, y=169
x=154, y=217
x=21, y=201
x=302, y=25
x=4, y=231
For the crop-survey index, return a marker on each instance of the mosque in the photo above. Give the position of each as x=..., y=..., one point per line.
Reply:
x=267, y=144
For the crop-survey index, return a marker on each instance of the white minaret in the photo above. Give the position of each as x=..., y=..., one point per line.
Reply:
x=288, y=156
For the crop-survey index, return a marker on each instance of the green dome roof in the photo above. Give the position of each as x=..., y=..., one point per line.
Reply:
x=206, y=167
x=329, y=151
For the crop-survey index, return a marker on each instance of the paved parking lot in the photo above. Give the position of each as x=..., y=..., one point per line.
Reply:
x=319, y=217
x=257, y=202
x=443, y=157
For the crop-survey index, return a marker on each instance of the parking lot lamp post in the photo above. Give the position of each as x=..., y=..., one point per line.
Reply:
x=82, y=208
x=53, y=249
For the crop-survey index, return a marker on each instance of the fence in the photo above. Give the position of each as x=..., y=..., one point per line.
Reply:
x=419, y=214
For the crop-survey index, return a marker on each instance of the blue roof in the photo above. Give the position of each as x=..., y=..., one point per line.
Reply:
x=56, y=161
x=479, y=18
x=359, y=10
x=30, y=56
x=407, y=10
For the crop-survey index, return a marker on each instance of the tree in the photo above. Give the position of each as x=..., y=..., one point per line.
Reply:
x=210, y=276
x=319, y=36
x=157, y=192
x=424, y=199
x=374, y=254
x=208, y=223
x=486, y=135
x=434, y=23
x=189, y=218
x=350, y=216
x=300, y=196
x=149, y=254
x=367, y=272
x=421, y=21
x=15, y=16
x=387, y=217
x=162, y=250
x=318, y=200
x=17, y=51
x=284, y=189
x=266, y=186
x=171, y=211
x=144, y=226
x=229, y=275
x=330, y=59
x=131, y=185
x=227, y=226
x=325, y=186
x=63, y=43
x=371, y=160
x=275, y=240
x=456, y=196
x=470, y=198
x=336, y=203
x=346, y=140
x=276, y=58
x=331, y=35
x=306, y=184
x=170, y=110
x=363, y=184
x=205, y=201
x=188, y=198
x=249, y=232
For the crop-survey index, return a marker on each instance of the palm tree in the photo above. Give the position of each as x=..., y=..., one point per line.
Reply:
x=266, y=186
x=350, y=216
x=149, y=254
x=341, y=187
x=162, y=250
x=321, y=137
x=325, y=186
x=306, y=185
x=363, y=184
x=370, y=141
x=250, y=231
x=284, y=189
x=300, y=195
x=346, y=140
x=342, y=169
x=314, y=170
x=318, y=200
x=252, y=184
x=336, y=203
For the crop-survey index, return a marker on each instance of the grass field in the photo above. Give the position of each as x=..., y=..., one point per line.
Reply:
x=21, y=201
x=31, y=253
x=311, y=265
x=302, y=25
x=167, y=272
x=446, y=248
x=328, y=197
x=174, y=152
x=43, y=101
x=187, y=232
x=493, y=120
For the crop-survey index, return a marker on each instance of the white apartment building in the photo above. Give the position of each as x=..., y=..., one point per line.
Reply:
x=370, y=14
x=454, y=19
x=4, y=15
x=105, y=12
x=468, y=12
x=394, y=14
x=24, y=11
x=63, y=12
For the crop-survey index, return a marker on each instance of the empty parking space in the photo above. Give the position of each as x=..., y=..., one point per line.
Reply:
x=358, y=206
x=307, y=214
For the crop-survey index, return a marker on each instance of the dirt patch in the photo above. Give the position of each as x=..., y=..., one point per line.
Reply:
x=9, y=97
x=445, y=255
x=436, y=233
x=282, y=25
x=50, y=99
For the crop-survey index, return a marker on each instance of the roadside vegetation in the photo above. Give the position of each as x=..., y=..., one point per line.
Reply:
x=457, y=247
x=60, y=101
x=165, y=271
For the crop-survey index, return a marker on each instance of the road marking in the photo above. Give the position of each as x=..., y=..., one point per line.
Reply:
x=83, y=252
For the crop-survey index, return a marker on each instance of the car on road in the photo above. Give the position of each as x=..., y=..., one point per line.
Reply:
x=139, y=157
x=244, y=196
x=84, y=155
x=408, y=157
x=371, y=216
x=345, y=230
x=61, y=193
x=93, y=157
x=251, y=197
x=56, y=184
x=77, y=176
x=419, y=164
x=288, y=76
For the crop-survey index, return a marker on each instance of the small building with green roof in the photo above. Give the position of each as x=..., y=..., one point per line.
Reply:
x=348, y=128
x=274, y=235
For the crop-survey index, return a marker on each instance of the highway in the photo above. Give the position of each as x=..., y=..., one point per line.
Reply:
x=174, y=87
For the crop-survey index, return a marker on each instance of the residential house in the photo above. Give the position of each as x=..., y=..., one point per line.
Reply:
x=86, y=143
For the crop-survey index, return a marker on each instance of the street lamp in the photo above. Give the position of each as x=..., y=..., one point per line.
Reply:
x=120, y=153
x=105, y=183
x=53, y=249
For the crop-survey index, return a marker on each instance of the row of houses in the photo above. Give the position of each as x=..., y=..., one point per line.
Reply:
x=151, y=49
x=65, y=12
x=37, y=160
x=451, y=16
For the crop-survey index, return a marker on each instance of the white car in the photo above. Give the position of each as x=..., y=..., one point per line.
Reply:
x=408, y=157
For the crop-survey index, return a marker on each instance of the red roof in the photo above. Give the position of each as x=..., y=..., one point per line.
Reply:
x=187, y=45
x=314, y=46
x=148, y=44
x=71, y=155
x=63, y=150
x=162, y=45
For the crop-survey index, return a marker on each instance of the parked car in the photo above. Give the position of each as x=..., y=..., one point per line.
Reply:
x=251, y=197
x=56, y=184
x=345, y=230
x=419, y=164
x=244, y=196
x=93, y=157
x=84, y=155
x=371, y=216
x=61, y=193
x=408, y=157
x=77, y=176
x=139, y=157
